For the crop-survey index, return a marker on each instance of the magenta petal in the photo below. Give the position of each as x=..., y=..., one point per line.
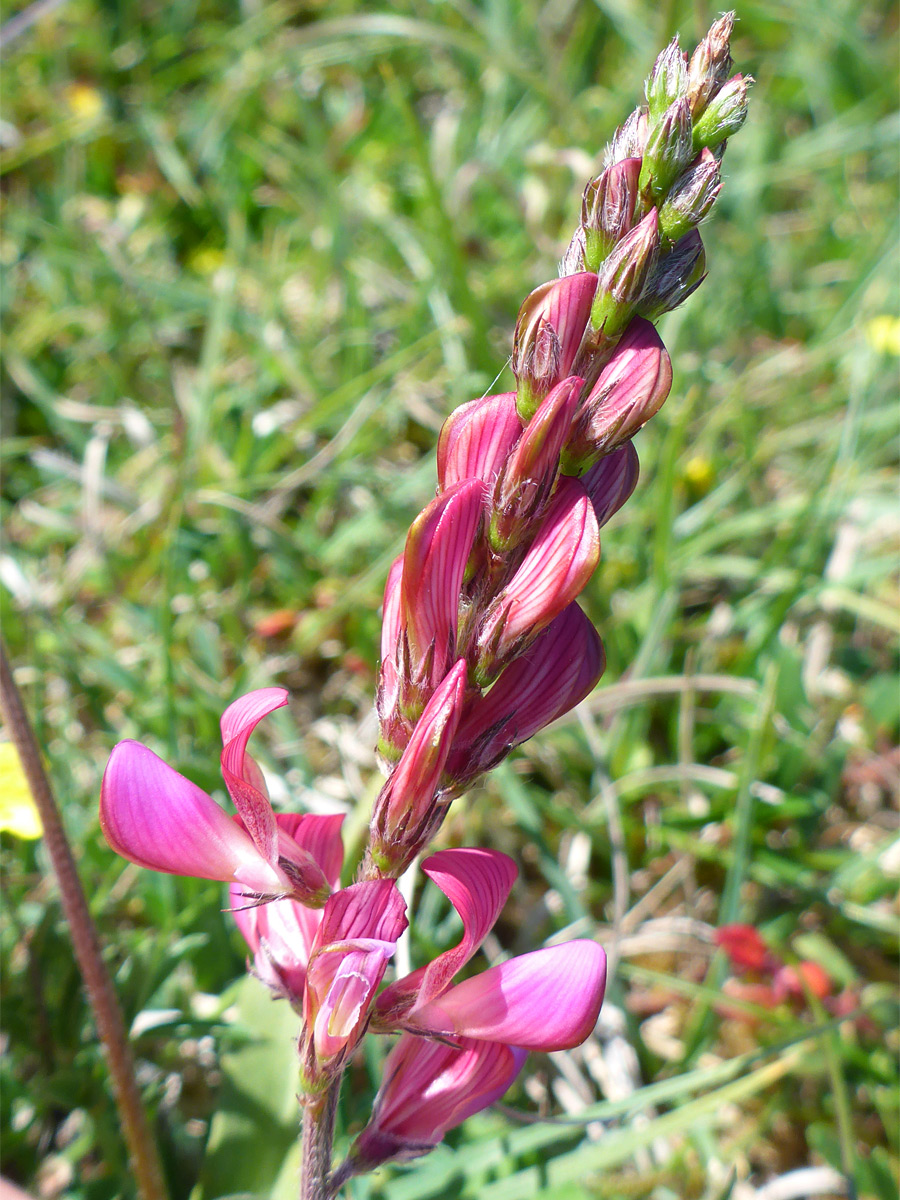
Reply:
x=559, y=563
x=320, y=836
x=611, y=481
x=477, y=883
x=546, y=1000
x=344, y=979
x=241, y=774
x=428, y=1089
x=158, y=819
x=476, y=440
x=434, y=562
x=391, y=611
x=372, y=909
x=556, y=672
x=406, y=798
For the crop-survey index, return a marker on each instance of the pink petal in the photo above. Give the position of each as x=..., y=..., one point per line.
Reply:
x=280, y=935
x=372, y=909
x=530, y=472
x=476, y=440
x=320, y=836
x=546, y=1000
x=631, y=388
x=559, y=563
x=407, y=797
x=566, y=304
x=477, y=883
x=344, y=979
x=554, y=674
x=611, y=481
x=391, y=611
x=428, y=1089
x=158, y=819
x=241, y=777
x=434, y=562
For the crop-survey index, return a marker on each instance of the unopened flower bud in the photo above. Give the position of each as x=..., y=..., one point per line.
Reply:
x=523, y=489
x=668, y=151
x=607, y=209
x=724, y=115
x=710, y=64
x=691, y=198
x=676, y=275
x=629, y=139
x=548, y=333
x=667, y=81
x=623, y=276
x=631, y=388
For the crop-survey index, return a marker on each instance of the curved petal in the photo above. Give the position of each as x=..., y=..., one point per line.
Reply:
x=241, y=774
x=477, y=883
x=556, y=568
x=430, y=1087
x=477, y=438
x=319, y=835
x=553, y=675
x=434, y=561
x=158, y=819
x=611, y=481
x=547, y=1000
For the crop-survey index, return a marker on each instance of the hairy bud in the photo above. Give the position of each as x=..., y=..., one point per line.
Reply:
x=623, y=276
x=677, y=275
x=691, y=198
x=668, y=151
x=710, y=64
x=724, y=115
x=607, y=209
x=667, y=81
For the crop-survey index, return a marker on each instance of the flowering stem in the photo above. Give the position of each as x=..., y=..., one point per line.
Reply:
x=318, y=1138
x=98, y=985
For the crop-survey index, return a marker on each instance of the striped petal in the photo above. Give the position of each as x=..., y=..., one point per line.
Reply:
x=241, y=774
x=547, y=1000
x=155, y=817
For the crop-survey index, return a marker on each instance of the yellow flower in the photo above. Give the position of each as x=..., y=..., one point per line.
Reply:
x=883, y=334
x=18, y=814
x=84, y=101
x=699, y=474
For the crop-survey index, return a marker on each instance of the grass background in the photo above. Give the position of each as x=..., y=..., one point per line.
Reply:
x=253, y=255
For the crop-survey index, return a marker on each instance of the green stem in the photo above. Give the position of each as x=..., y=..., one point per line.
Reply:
x=85, y=942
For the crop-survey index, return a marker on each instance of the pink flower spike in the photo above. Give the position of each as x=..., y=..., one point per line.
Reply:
x=477, y=883
x=558, y=670
x=547, y=1000
x=428, y=1089
x=434, y=562
x=476, y=440
x=156, y=818
x=243, y=777
x=610, y=482
x=406, y=800
x=559, y=563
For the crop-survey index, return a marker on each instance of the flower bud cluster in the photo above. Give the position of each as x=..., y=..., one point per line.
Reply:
x=661, y=177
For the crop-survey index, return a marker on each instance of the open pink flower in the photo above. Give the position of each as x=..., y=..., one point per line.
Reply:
x=349, y=953
x=281, y=934
x=546, y=1000
x=156, y=818
x=428, y=1088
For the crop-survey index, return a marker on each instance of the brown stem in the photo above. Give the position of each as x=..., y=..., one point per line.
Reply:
x=318, y=1139
x=98, y=985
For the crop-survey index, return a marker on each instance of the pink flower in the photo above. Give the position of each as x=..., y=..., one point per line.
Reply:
x=524, y=486
x=349, y=953
x=281, y=934
x=546, y=1000
x=549, y=330
x=428, y=1088
x=554, y=674
x=630, y=389
x=404, y=811
x=558, y=564
x=477, y=439
x=155, y=817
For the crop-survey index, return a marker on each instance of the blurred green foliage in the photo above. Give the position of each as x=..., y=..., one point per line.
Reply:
x=253, y=254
